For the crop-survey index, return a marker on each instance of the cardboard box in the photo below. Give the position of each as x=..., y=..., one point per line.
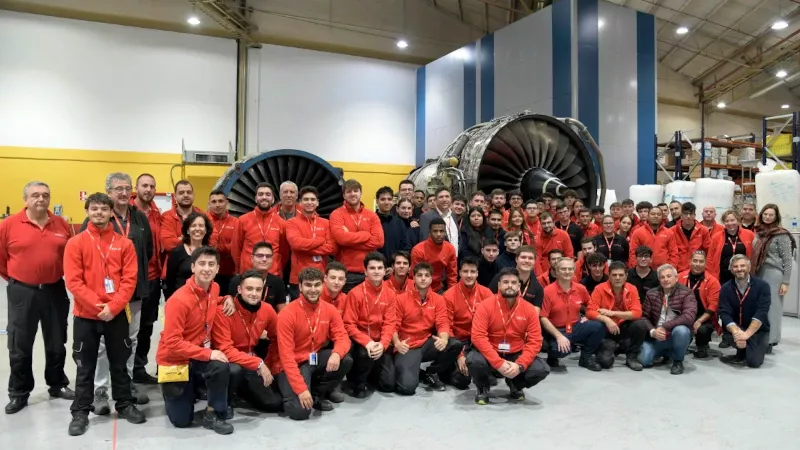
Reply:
x=733, y=160
x=723, y=160
x=714, y=160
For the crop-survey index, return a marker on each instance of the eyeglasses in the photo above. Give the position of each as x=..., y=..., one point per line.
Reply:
x=644, y=257
x=262, y=255
x=121, y=189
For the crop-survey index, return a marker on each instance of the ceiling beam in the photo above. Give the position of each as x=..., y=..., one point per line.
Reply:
x=228, y=18
x=501, y=6
x=701, y=53
x=695, y=28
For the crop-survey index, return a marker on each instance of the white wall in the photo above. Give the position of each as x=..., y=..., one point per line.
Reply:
x=91, y=86
x=338, y=107
x=444, y=101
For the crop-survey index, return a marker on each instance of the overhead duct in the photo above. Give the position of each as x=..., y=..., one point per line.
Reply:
x=304, y=169
x=530, y=152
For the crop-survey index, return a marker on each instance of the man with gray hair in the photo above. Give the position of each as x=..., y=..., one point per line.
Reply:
x=32, y=244
x=128, y=221
x=669, y=311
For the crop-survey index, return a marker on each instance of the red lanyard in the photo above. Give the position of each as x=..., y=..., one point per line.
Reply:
x=127, y=225
x=247, y=330
x=204, y=311
x=357, y=222
x=503, y=317
x=741, y=301
x=369, y=310
x=609, y=243
x=733, y=244
x=474, y=294
x=264, y=236
x=314, y=228
x=108, y=253
x=312, y=330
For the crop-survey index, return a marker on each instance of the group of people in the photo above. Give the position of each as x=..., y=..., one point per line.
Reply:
x=278, y=307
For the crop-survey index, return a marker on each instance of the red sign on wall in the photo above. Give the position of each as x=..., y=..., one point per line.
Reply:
x=82, y=195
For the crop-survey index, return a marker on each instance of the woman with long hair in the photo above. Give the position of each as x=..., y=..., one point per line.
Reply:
x=472, y=234
x=516, y=222
x=576, y=210
x=196, y=233
x=625, y=225
x=773, y=249
x=734, y=241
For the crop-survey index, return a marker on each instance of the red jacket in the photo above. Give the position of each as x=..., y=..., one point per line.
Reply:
x=592, y=230
x=85, y=270
x=363, y=234
x=154, y=218
x=295, y=340
x=665, y=250
x=700, y=240
x=252, y=228
x=30, y=254
x=718, y=242
x=519, y=328
x=716, y=228
x=222, y=236
x=603, y=298
x=339, y=302
x=171, y=228
x=580, y=265
x=408, y=286
x=461, y=304
x=709, y=295
x=311, y=242
x=563, y=308
x=416, y=321
x=237, y=335
x=189, y=318
x=544, y=279
x=371, y=314
x=559, y=239
x=441, y=257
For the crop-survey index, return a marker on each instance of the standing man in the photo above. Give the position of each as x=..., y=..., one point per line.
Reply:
x=288, y=207
x=100, y=270
x=658, y=238
x=588, y=227
x=571, y=228
x=710, y=222
x=744, y=306
x=705, y=288
x=419, y=200
x=172, y=220
x=488, y=266
x=670, y=312
x=357, y=231
x=628, y=208
x=442, y=211
x=477, y=200
x=143, y=201
x=675, y=213
x=598, y=268
x=551, y=276
x=459, y=208
x=262, y=224
x=131, y=223
x=224, y=226
x=498, y=200
x=550, y=239
x=506, y=337
x=311, y=371
x=690, y=237
x=309, y=236
x=530, y=288
x=440, y=255
x=509, y=256
x=641, y=275
x=370, y=320
x=399, y=281
x=31, y=260
x=581, y=268
x=335, y=278
x=395, y=233
x=611, y=245
x=748, y=215
x=405, y=190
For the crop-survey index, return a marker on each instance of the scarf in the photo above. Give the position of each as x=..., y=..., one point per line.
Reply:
x=765, y=234
x=247, y=306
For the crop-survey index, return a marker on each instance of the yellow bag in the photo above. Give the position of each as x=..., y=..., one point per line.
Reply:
x=128, y=313
x=173, y=374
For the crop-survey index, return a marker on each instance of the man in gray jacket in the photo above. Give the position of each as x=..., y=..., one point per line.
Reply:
x=442, y=209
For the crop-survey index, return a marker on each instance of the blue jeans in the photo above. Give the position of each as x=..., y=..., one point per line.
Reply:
x=674, y=347
x=590, y=334
x=179, y=397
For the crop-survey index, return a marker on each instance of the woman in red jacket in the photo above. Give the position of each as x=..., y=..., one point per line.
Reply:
x=734, y=241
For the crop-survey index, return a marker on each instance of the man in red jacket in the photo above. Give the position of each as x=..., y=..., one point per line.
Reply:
x=690, y=236
x=310, y=371
x=100, y=270
x=399, y=281
x=660, y=239
x=705, y=288
x=224, y=226
x=309, y=237
x=189, y=319
x=172, y=220
x=462, y=300
x=439, y=254
x=506, y=338
x=357, y=231
x=239, y=334
x=550, y=238
x=420, y=313
x=710, y=221
x=262, y=224
x=370, y=319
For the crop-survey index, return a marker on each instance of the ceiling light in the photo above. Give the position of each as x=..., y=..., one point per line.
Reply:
x=784, y=106
x=721, y=105
x=462, y=54
x=779, y=25
x=600, y=23
x=781, y=74
x=402, y=44
x=193, y=20
x=682, y=30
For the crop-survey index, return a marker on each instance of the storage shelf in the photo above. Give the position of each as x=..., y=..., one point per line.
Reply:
x=732, y=144
x=737, y=167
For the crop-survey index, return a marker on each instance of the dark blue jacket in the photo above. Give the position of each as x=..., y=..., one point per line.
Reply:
x=506, y=260
x=395, y=235
x=755, y=305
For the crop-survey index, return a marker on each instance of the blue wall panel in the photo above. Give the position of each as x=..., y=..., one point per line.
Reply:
x=646, y=97
x=470, y=85
x=562, y=58
x=588, y=84
x=487, y=78
x=420, y=154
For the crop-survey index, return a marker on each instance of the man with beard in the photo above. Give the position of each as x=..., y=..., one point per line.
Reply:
x=439, y=254
x=530, y=288
x=498, y=200
x=705, y=288
x=357, y=231
x=370, y=320
x=506, y=338
x=274, y=291
x=310, y=371
x=550, y=239
x=262, y=224
x=172, y=220
x=675, y=213
x=658, y=238
x=224, y=225
x=395, y=234
x=309, y=237
x=399, y=281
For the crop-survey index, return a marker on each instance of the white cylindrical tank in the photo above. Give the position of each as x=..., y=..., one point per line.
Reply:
x=680, y=191
x=653, y=193
x=781, y=187
x=713, y=192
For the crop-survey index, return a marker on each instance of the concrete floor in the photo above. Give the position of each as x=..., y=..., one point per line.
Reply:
x=711, y=406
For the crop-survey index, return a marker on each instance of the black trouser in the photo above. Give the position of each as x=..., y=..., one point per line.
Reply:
x=703, y=336
x=480, y=370
x=320, y=383
x=406, y=367
x=628, y=341
x=179, y=397
x=149, y=317
x=364, y=368
x=454, y=377
x=86, y=334
x=224, y=282
x=755, y=351
x=352, y=280
x=249, y=386
x=27, y=306
x=589, y=333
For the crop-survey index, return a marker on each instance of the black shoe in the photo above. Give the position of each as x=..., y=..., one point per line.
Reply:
x=633, y=363
x=492, y=381
x=515, y=394
x=482, y=397
x=336, y=395
x=140, y=397
x=769, y=348
x=360, y=391
x=677, y=368
x=433, y=381
x=79, y=423
x=131, y=414
x=229, y=413
x=142, y=377
x=552, y=361
x=65, y=392
x=732, y=359
x=724, y=344
x=321, y=404
x=662, y=362
x=590, y=363
x=16, y=405
x=212, y=422
x=702, y=352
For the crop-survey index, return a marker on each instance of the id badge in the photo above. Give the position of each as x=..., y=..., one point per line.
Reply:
x=207, y=343
x=312, y=358
x=316, y=258
x=504, y=347
x=109, y=285
x=569, y=328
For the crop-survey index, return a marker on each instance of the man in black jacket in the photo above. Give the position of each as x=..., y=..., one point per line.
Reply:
x=743, y=306
x=131, y=223
x=395, y=236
